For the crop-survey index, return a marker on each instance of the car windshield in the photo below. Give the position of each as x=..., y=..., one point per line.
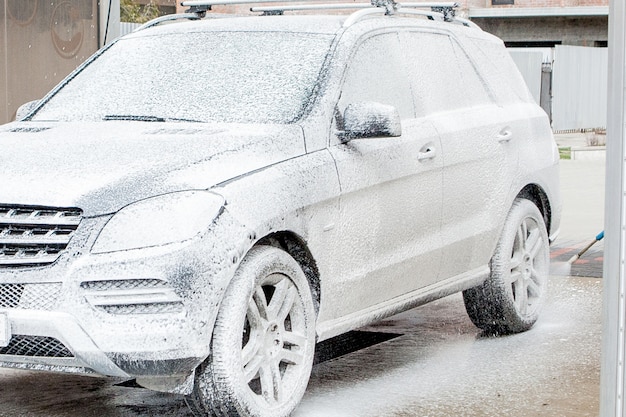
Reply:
x=232, y=77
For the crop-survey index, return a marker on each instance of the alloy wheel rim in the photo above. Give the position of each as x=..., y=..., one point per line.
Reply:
x=527, y=267
x=274, y=344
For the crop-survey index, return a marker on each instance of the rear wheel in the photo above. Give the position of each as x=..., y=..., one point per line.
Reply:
x=263, y=341
x=509, y=301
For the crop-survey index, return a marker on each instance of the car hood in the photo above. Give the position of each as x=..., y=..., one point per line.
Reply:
x=104, y=166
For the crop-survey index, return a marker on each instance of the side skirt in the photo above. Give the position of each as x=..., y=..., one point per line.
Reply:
x=332, y=328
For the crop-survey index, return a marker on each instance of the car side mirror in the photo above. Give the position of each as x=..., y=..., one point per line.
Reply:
x=370, y=119
x=25, y=109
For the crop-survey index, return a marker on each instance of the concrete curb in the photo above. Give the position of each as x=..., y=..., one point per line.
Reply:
x=587, y=153
x=582, y=146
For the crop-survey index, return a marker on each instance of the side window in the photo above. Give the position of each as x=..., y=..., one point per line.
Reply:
x=376, y=73
x=496, y=62
x=442, y=77
x=471, y=84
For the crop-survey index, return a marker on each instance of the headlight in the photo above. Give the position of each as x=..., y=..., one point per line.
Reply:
x=159, y=220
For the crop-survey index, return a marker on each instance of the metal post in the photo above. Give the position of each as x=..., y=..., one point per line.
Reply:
x=612, y=391
x=4, y=66
x=109, y=13
x=545, y=95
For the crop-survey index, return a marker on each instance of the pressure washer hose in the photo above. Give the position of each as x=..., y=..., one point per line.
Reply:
x=598, y=238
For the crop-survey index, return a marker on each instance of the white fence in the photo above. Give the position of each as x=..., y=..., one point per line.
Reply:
x=579, y=84
x=126, y=28
x=579, y=88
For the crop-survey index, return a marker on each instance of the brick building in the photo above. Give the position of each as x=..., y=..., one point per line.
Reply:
x=542, y=22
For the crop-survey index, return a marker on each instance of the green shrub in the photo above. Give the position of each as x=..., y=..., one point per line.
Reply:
x=131, y=11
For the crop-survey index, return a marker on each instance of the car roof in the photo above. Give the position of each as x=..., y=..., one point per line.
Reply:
x=329, y=24
x=315, y=24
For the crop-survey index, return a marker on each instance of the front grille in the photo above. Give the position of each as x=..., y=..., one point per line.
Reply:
x=123, y=284
x=41, y=346
x=41, y=296
x=154, y=308
x=132, y=296
x=10, y=295
x=32, y=236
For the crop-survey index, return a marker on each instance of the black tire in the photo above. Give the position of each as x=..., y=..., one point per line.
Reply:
x=263, y=341
x=509, y=301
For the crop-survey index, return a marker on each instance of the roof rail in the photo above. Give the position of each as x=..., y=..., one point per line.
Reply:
x=446, y=8
x=432, y=15
x=304, y=7
x=170, y=18
x=444, y=11
x=438, y=10
x=202, y=6
x=196, y=6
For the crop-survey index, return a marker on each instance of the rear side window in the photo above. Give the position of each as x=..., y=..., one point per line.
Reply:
x=504, y=78
x=442, y=77
x=376, y=73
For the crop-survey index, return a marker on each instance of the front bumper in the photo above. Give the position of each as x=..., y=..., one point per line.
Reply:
x=137, y=313
x=52, y=341
x=55, y=341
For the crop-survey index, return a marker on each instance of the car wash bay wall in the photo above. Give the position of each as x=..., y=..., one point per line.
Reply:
x=41, y=41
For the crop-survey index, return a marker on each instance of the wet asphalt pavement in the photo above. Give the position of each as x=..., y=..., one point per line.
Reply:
x=443, y=366
x=434, y=363
x=427, y=362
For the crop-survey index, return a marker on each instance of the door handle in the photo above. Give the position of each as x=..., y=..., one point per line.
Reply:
x=428, y=153
x=505, y=135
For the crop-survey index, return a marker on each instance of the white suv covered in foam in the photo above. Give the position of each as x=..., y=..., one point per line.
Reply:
x=203, y=201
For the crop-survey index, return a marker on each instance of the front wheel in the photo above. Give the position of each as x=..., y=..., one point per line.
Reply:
x=509, y=301
x=263, y=341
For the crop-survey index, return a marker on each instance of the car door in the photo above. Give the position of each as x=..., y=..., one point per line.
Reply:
x=391, y=188
x=478, y=143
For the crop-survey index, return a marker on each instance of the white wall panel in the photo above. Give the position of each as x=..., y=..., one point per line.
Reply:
x=579, y=87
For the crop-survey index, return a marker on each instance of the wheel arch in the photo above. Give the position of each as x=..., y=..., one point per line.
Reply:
x=539, y=197
x=297, y=248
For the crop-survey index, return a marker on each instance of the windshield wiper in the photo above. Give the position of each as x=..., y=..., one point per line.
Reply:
x=145, y=118
x=133, y=117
